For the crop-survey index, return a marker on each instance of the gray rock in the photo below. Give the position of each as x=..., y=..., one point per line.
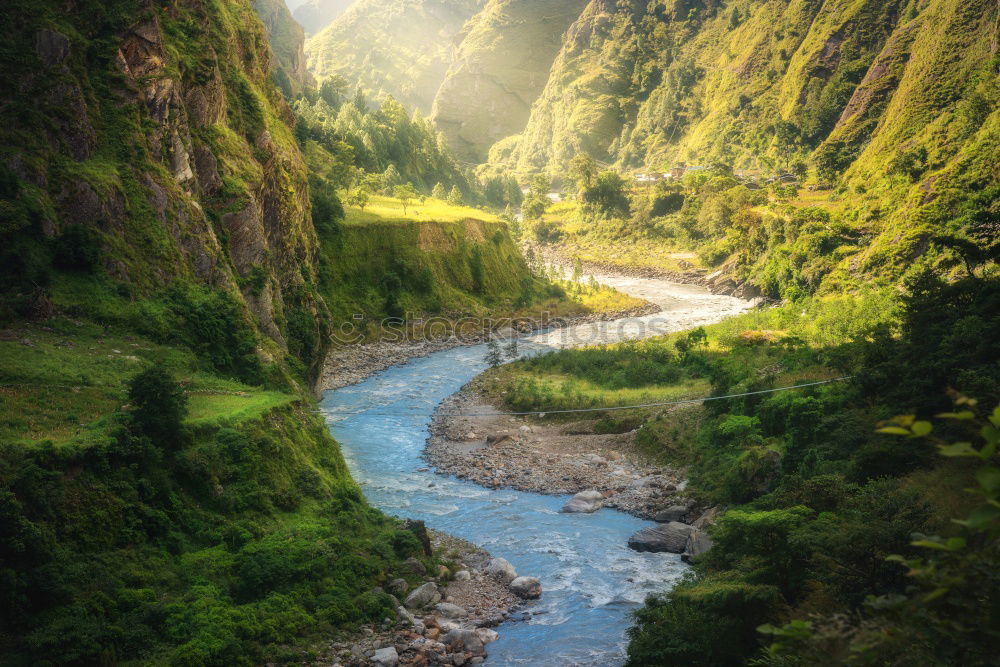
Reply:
x=672, y=513
x=584, y=502
x=449, y=610
x=386, y=657
x=398, y=586
x=698, y=542
x=502, y=570
x=529, y=588
x=462, y=575
x=469, y=638
x=670, y=537
x=422, y=596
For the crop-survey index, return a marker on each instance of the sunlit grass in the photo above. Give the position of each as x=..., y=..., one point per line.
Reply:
x=381, y=208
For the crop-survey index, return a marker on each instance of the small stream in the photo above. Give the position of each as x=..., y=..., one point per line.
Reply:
x=591, y=580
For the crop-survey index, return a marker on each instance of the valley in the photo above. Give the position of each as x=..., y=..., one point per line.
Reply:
x=450, y=332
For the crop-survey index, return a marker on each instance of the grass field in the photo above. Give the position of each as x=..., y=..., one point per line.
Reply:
x=381, y=208
x=59, y=381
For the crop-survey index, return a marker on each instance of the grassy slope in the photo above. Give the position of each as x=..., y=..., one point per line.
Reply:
x=434, y=250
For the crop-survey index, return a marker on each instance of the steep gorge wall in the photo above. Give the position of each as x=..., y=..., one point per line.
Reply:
x=159, y=131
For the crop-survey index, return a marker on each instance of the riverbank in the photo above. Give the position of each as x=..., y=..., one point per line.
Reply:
x=446, y=620
x=503, y=451
x=350, y=364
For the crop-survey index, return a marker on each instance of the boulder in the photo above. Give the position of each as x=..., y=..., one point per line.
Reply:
x=422, y=596
x=469, y=640
x=698, y=542
x=502, y=570
x=584, y=502
x=398, y=587
x=449, y=610
x=529, y=588
x=386, y=657
x=672, y=513
x=497, y=439
x=670, y=537
x=462, y=575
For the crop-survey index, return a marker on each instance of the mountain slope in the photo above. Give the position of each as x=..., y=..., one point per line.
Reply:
x=500, y=69
x=287, y=46
x=751, y=83
x=401, y=48
x=314, y=15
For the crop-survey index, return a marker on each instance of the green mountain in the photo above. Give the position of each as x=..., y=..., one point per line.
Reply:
x=314, y=15
x=499, y=70
x=649, y=84
x=401, y=48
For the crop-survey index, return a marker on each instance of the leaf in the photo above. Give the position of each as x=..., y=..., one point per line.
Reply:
x=893, y=430
x=921, y=428
x=964, y=415
x=935, y=594
x=958, y=449
x=930, y=544
x=989, y=479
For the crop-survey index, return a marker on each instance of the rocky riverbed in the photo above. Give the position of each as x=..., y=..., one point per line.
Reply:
x=447, y=619
x=564, y=458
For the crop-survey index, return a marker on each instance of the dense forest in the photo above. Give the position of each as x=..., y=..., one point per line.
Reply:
x=195, y=196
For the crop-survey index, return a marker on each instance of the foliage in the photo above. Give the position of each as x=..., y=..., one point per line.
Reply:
x=158, y=405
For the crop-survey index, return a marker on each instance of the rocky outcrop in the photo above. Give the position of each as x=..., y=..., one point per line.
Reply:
x=287, y=40
x=499, y=71
x=670, y=537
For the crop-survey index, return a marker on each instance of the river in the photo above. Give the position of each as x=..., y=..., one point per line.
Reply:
x=591, y=580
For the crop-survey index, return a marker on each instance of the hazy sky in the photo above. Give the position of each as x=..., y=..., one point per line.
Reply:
x=292, y=4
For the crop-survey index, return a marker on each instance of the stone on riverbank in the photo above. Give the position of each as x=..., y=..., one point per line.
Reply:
x=502, y=570
x=698, y=542
x=670, y=537
x=449, y=610
x=672, y=513
x=529, y=588
x=422, y=596
x=584, y=502
x=386, y=657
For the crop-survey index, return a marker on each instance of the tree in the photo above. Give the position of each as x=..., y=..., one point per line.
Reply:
x=510, y=349
x=391, y=178
x=439, y=192
x=159, y=405
x=494, y=357
x=405, y=194
x=608, y=194
x=360, y=198
x=455, y=196
x=583, y=170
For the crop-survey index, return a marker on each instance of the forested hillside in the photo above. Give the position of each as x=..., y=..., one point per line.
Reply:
x=401, y=48
x=500, y=68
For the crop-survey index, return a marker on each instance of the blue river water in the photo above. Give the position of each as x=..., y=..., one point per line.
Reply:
x=591, y=580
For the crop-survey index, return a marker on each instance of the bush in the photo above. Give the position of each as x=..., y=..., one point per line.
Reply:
x=78, y=248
